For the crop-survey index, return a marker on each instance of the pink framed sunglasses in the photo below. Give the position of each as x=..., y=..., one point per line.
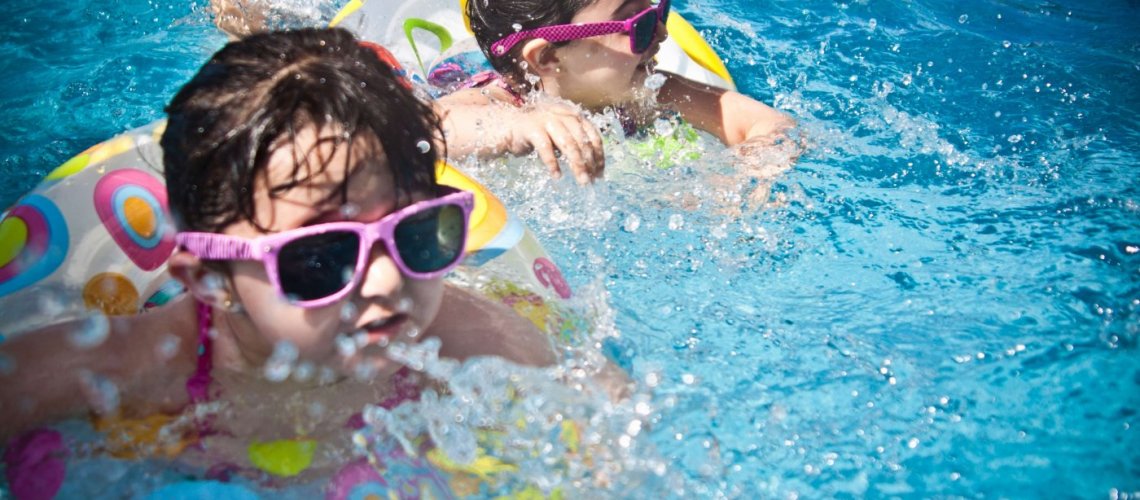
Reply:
x=642, y=29
x=318, y=265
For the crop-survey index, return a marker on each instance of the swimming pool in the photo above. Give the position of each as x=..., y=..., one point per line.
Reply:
x=940, y=299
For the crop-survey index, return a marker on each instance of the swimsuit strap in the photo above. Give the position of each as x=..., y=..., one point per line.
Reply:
x=198, y=387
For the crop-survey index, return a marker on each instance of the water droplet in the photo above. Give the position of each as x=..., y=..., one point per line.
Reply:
x=363, y=372
x=642, y=408
x=631, y=224
x=102, y=394
x=423, y=146
x=280, y=363
x=348, y=312
x=655, y=81
x=50, y=304
x=326, y=375
x=92, y=332
x=517, y=27
x=345, y=345
x=349, y=210
x=213, y=283
x=676, y=222
x=167, y=347
x=652, y=379
x=304, y=371
x=872, y=24
x=1014, y=139
x=664, y=126
x=963, y=18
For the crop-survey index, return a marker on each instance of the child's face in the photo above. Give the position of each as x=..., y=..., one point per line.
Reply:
x=602, y=71
x=386, y=306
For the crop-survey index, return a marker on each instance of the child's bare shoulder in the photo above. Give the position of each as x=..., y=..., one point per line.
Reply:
x=470, y=325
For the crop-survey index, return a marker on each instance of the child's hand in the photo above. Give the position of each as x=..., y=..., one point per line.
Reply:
x=238, y=18
x=555, y=130
x=486, y=122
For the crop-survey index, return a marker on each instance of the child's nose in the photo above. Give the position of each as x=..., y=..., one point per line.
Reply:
x=382, y=277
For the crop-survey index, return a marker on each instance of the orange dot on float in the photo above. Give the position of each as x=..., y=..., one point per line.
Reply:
x=13, y=238
x=140, y=216
x=111, y=293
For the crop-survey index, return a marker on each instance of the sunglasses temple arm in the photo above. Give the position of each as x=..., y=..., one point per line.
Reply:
x=217, y=247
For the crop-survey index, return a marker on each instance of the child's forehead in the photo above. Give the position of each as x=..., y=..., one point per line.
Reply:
x=319, y=155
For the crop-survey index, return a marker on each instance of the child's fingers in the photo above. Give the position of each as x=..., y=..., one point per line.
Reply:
x=542, y=145
x=589, y=142
x=594, y=144
x=565, y=136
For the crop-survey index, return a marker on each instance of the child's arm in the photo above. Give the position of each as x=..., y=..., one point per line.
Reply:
x=483, y=122
x=50, y=374
x=729, y=115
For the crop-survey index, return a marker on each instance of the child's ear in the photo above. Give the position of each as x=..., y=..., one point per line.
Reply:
x=207, y=285
x=540, y=57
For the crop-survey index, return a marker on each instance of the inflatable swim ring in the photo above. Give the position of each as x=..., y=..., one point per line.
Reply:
x=427, y=35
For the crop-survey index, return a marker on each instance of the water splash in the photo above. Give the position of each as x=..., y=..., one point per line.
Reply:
x=280, y=364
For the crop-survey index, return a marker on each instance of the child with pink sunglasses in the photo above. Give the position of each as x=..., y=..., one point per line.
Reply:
x=312, y=230
x=543, y=128
x=598, y=54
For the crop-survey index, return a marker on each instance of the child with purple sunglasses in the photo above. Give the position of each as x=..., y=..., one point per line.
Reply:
x=311, y=228
x=599, y=54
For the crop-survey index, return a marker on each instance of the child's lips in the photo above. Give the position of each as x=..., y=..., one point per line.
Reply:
x=382, y=331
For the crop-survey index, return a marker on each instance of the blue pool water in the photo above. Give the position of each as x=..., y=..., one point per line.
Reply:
x=940, y=298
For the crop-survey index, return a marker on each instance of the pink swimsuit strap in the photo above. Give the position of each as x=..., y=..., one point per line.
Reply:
x=198, y=387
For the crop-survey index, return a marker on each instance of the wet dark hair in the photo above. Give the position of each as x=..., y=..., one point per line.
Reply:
x=492, y=20
x=224, y=123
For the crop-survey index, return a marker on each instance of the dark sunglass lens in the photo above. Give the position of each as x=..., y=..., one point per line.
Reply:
x=317, y=266
x=433, y=239
x=643, y=32
x=664, y=6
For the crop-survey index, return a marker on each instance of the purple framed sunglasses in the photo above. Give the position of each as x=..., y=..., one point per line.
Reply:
x=642, y=29
x=317, y=265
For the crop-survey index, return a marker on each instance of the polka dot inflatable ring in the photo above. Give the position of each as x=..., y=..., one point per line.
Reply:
x=33, y=243
x=132, y=206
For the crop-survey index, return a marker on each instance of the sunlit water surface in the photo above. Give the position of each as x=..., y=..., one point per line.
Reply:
x=939, y=299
